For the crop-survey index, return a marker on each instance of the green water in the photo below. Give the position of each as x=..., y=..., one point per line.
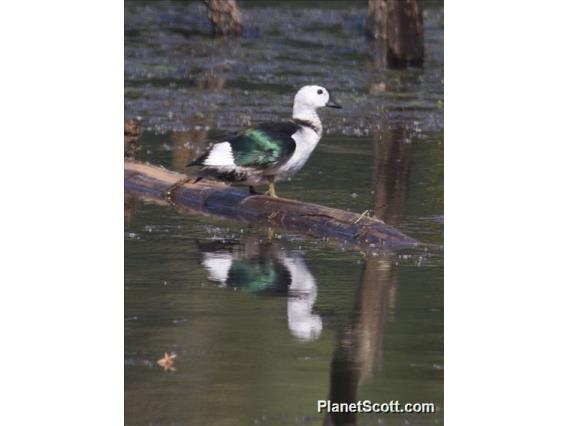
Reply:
x=263, y=328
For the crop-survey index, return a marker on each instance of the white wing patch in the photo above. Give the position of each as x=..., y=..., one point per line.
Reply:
x=218, y=266
x=221, y=155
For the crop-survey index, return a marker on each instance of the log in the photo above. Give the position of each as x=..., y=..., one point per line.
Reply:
x=215, y=198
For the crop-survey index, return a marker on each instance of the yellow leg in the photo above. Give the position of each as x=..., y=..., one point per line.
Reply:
x=271, y=189
x=169, y=192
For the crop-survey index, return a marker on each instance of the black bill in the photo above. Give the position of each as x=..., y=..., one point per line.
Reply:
x=332, y=103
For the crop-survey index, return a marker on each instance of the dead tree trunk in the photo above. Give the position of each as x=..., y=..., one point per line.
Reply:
x=213, y=198
x=405, y=34
x=400, y=23
x=376, y=27
x=224, y=16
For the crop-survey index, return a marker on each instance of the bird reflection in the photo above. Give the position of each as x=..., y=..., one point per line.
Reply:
x=267, y=269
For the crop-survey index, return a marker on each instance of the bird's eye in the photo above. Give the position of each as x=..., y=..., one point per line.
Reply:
x=320, y=92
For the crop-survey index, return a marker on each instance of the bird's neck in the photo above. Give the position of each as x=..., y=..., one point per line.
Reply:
x=309, y=116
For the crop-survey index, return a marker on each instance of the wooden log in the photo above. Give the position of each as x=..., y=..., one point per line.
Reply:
x=215, y=198
x=224, y=16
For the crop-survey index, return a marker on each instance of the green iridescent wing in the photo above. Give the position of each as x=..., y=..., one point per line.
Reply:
x=264, y=146
x=259, y=275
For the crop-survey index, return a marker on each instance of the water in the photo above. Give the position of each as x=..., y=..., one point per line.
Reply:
x=264, y=327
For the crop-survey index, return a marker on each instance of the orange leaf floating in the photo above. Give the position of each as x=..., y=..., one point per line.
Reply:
x=167, y=362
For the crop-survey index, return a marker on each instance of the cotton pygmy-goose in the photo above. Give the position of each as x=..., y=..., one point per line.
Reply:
x=269, y=271
x=269, y=152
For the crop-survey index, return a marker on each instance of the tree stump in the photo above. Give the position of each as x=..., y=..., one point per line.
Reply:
x=224, y=16
x=405, y=34
x=376, y=27
x=400, y=23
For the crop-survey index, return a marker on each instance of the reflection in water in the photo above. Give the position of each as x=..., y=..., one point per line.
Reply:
x=129, y=208
x=131, y=134
x=267, y=269
x=392, y=153
x=209, y=80
x=360, y=345
x=190, y=144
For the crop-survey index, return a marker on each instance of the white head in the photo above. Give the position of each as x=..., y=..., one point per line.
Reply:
x=312, y=98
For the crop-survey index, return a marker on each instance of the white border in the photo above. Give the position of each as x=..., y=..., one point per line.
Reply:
x=62, y=251
x=505, y=192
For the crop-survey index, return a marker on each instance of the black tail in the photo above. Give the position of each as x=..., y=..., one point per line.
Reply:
x=199, y=160
x=196, y=162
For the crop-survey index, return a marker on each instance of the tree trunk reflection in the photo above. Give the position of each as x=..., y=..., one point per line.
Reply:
x=360, y=345
x=392, y=153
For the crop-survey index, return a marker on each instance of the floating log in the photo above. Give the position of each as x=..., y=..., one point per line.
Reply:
x=216, y=198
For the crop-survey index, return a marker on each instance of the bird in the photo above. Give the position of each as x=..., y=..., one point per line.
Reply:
x=272, y=151
x=266, y=270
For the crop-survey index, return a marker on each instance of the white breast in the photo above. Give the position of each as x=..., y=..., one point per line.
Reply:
x=306, y=140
